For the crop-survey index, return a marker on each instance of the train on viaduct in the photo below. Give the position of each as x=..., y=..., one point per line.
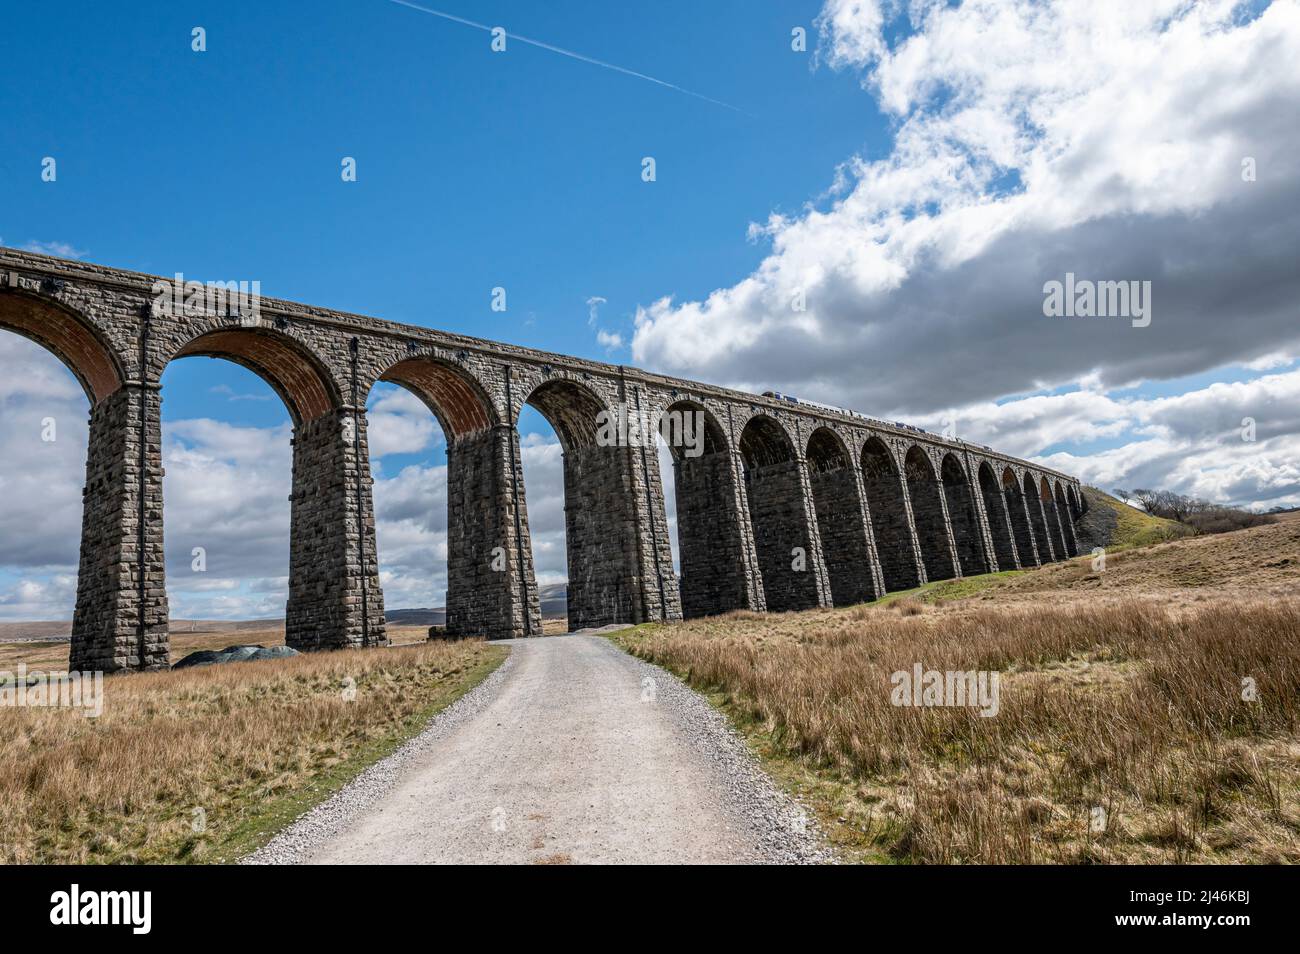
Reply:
x=781, y=505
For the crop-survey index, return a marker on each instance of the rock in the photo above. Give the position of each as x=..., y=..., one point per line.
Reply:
x=212, y=657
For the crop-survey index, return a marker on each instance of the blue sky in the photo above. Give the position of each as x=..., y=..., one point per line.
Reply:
x=476, y=169
x=916, y=175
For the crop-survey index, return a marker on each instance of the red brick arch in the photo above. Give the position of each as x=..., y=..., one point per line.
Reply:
x=455, y=399
x=68, y=336
x=286, y=365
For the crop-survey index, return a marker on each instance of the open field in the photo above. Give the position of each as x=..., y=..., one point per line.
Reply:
x=1122, y=734
x=242, y=748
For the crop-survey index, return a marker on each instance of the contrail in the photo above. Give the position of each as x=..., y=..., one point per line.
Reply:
x=572, y=55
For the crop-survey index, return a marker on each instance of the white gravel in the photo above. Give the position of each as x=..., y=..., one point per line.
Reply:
x=572, y=751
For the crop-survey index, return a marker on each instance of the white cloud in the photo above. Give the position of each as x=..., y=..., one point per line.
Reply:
x=1032, y=139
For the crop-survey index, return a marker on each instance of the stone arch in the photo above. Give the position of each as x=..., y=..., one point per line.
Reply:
x=120, y=617
x=1038, y=519
x=484, y=588
x=778, y=514
x=966, y=534
x=69, y=336
x=572, y=409
x=454, y=396
x=1065, y=518
x=1076, y=509
x=927, y=498
x=1016, y=508
x=294, y=372
x=841, y=518
x=1052, y=518
x=710, y=523
x=1000, y=529
x=602, y=534
x=335, y=598
x=894, y=542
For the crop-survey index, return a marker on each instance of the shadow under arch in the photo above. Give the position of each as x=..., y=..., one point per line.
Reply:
x=710, y=524
x=778, y=515
x=1019, y=514
x=841, y=518
x=894, y=545
x=1054, y=528
x=999, y=519
x=961, y=517
x=1038, y=520
x=616, y=532
x=1065, y=518
x=932, y=535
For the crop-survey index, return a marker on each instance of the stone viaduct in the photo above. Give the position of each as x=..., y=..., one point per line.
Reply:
x=780, y=506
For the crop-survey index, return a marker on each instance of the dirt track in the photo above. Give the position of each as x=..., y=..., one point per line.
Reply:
x=572, y=752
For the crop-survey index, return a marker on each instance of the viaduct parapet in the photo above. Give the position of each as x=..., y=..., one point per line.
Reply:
x=780, y=505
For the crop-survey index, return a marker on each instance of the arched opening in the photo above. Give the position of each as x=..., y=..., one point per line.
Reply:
x=1076, y=508
x=228, y=480
x=1004, y=546
x=1015, y=502
x=1038, y=520
x=778, y=514
x=927, y=513
x=962, y=519
x=884, y=489
x=607, y=581
x=1067, y=523
x=840, y=519
x=1053, y=520
x=710, y=541
x=438, y=523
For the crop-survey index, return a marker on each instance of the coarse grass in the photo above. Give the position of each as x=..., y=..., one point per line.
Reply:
x=1133, y=731
x=204, y=764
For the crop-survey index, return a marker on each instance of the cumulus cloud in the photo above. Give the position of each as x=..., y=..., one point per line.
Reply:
x=1031, y=140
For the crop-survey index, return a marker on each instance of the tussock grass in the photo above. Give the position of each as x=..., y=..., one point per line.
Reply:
x=1129, y=708
x=251, y=744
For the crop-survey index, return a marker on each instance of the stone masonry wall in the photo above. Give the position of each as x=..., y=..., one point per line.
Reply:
x=335, y=600
x=118, y=623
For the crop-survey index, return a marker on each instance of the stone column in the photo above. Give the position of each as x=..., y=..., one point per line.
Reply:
x=661, y=596
x=120, y=621
x=491, y=587
x=335, y=600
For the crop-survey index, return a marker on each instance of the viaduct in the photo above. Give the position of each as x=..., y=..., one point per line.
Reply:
x=781, y=506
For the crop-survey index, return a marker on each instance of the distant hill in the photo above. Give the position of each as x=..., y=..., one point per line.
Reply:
x=553, y=598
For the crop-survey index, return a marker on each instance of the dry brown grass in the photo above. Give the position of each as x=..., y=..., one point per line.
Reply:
x=1130, y=705
x=252, y=744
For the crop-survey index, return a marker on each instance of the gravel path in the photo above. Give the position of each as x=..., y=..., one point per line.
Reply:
x=572, y=751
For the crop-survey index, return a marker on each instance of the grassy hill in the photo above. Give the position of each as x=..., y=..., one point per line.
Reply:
x=1114, y=525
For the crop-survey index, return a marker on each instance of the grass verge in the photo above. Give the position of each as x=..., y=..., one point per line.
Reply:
x=1124, y=733
x=204, y=765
